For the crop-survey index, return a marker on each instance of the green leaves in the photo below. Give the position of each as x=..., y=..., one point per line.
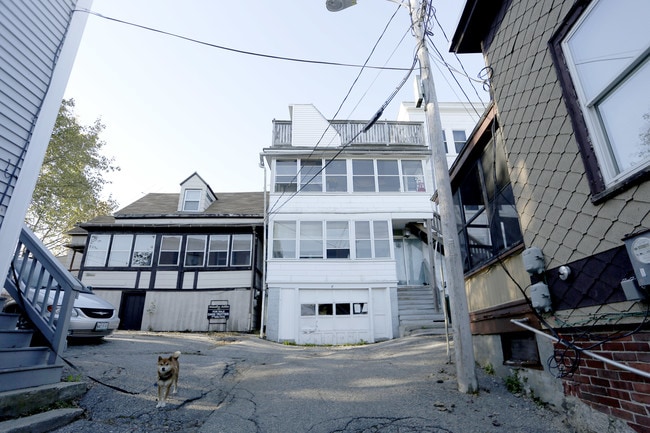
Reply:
x=71, y=180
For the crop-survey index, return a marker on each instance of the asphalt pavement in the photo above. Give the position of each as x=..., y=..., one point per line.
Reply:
x=241, y=383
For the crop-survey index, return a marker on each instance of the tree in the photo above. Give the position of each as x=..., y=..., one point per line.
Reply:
x=71, y=180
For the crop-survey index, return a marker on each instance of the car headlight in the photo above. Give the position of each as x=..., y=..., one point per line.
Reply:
x=75, y=312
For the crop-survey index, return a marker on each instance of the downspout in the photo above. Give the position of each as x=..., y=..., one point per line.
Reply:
x=265, y=251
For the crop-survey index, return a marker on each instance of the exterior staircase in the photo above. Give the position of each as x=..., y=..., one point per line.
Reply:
x=30, y=377
x=418, y=311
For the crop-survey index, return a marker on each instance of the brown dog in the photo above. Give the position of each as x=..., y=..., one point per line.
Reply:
x=167, y=377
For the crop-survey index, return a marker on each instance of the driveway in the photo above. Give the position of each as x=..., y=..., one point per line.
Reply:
x=241, y=383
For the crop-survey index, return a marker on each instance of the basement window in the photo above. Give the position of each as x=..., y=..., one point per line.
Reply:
x=520, y=349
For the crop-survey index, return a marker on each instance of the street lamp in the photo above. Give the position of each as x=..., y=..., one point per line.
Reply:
x=463, y=348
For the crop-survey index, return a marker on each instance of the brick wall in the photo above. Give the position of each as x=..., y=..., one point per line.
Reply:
x=609, y=389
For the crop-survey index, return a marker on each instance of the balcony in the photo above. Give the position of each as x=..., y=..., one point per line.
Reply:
x=382, y=133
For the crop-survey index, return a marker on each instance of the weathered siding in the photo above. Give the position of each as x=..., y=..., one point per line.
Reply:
x=332, y=272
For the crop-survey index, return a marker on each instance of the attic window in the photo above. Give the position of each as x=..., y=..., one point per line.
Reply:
x=191, y=200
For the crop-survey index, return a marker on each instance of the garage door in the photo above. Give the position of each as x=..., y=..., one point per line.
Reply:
x=338, y=316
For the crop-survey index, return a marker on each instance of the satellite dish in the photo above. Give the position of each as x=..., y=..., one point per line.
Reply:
x=339, y=5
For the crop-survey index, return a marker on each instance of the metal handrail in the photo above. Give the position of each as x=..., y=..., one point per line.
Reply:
x=36, y=280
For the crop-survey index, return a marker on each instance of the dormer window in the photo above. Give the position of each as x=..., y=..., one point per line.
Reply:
x=191, y=200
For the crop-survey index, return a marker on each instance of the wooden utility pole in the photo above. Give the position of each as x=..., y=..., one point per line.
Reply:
x=463, y=347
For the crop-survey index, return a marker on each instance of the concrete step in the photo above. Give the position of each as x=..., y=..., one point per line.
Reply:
x=41, y=422
x=20, y=402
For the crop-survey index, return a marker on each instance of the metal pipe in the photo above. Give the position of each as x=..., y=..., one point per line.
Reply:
x=585, y=351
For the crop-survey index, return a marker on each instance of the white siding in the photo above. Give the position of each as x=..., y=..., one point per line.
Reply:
x=375, y=272
x=325, y=205
x=166, y=280
x=110, y=279
x=224, y=279
x=310, y=128
x=38, y=42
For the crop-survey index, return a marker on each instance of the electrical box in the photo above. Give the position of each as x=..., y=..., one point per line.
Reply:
x=540, y=297
x=638, y=248
x=533, y=260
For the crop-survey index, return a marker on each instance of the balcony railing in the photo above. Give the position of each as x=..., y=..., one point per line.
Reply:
x=382, y=133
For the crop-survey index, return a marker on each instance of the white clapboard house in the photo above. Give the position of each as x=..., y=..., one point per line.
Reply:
x=349, y=230
x=169, y=261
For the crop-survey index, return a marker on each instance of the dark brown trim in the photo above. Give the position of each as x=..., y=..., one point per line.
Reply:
x=496, y=320
x=570, y=96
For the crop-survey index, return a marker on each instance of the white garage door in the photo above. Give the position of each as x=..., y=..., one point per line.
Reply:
x=338, y=316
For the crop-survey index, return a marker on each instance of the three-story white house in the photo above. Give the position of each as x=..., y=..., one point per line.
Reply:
x=349, y=216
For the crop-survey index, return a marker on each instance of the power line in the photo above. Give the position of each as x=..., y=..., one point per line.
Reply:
x=235, y=50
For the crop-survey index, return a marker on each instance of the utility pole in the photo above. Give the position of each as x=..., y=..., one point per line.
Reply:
x=463, y=347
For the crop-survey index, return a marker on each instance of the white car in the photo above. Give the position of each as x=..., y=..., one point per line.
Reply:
x=91, y=317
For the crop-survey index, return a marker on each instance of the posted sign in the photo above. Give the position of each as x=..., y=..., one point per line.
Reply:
x=218, y=312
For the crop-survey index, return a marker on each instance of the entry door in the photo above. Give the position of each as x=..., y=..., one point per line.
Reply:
x=131, y=309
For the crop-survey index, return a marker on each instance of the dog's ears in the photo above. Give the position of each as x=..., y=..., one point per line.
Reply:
x=160, y=358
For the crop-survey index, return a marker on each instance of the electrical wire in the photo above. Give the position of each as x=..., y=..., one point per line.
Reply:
x=235, y=50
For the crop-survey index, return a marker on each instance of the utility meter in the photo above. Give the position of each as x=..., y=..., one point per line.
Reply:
x=638, y=248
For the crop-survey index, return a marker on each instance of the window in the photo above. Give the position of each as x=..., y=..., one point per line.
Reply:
x=372, y=239
x=336, y=176
x=487, y=219
x=97, y=250
x=311, y=178
x=120, y=251
x=195, y=251
x=363, y=175
x=444, y=141
x=286, y=174
x=308, y=309
x=143, y=250
x=602, y=56
x=325, y=310
x=311, y=240
x=284, y=240
x=360, y=308
x=387, y=175
x=170, y=248
x=338, y=240
x=191, y=200
x=413, y=176
x=459, y=140
x=342, y=309
x=218, y=250
x=241, y=250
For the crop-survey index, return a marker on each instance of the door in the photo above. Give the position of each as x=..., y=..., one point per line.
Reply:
x=131, y=309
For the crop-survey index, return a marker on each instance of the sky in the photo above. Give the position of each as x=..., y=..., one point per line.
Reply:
x=172, y=107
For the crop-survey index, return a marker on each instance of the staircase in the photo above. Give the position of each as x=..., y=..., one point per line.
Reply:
x=30, y=376
x=418, y=312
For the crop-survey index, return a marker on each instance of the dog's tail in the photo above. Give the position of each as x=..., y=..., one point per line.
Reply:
x=176, y=354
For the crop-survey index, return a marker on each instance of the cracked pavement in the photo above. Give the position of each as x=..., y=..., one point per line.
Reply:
x=241, y=383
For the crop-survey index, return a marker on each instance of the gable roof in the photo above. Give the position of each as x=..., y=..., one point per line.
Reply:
x=166, y=204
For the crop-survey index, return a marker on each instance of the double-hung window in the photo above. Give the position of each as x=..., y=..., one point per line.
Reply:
x=170, y=248
x=195, y=250
x=284, y=240
x=143, y=250
x=388, y=175
x=363, y=175
x=242, y=246
x=311, y=178
x=336, y=176
x=286, y=175
x=459, y=140
x=413, y=176
x=120, y=251
x=311, y=239
x=97, y=250
x=218, y=250
x=337, y=239
x=191, y=200
x=603, y=57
